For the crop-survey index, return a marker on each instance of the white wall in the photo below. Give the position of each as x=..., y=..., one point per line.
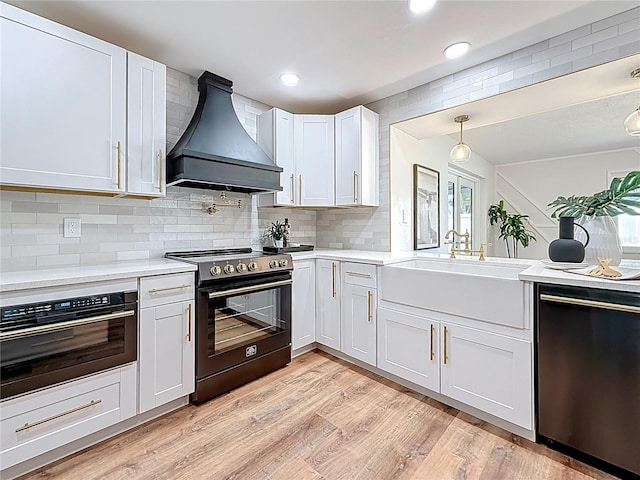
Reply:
x=529, y=187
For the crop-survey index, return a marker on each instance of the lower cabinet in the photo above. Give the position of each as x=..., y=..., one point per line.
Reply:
x=488, y=371
x=167, y=339
x=38, y=422
x=167, y=353
x=408, y=347
x=358, y=325
x=328, y=294
x=303, y=309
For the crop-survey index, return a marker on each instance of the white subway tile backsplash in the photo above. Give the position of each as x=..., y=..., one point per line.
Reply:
x=595, y=37
x=570, y=36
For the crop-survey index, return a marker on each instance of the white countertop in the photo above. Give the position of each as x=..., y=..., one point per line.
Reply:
x=361, y=256
x=538, y=273
x=14, y=281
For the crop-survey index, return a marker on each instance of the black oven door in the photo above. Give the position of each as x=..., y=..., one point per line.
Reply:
x=242, y=320
x=63, y=347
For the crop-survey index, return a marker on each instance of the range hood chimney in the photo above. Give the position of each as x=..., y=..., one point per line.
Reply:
x=215, y=151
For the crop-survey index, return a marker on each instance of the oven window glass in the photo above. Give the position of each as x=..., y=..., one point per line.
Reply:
x=243, y=319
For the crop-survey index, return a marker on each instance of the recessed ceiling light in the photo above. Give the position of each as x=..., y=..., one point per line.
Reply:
x=289, y=79
x=457, y=50
x=421, y=6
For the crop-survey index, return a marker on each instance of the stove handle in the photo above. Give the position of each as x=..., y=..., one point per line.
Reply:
x=253, y=288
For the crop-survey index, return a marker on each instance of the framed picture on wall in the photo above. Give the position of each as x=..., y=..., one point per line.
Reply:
x=426, y=208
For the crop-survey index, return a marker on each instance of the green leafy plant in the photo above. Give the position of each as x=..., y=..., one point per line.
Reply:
x=622, y=196
x=276, y=230
x=512, y=228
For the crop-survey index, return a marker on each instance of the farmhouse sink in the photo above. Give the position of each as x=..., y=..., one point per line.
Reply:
x=489, y=292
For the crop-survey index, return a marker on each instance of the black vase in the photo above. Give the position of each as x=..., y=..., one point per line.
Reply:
x=566, y=248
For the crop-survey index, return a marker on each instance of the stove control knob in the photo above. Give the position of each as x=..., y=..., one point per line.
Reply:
x=253, y=266
x=284, y=262
x=215, y=270
x=241, y=267
x=228, y=269
x=273, y=264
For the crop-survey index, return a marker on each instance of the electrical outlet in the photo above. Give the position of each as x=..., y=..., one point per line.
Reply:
x=71, y=228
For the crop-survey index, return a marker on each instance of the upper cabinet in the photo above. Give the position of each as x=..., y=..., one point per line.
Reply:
x=328, y=160
x=146, y=125
x=356, y=162
x=64, y=110
x=275, y=136
x=313, y=141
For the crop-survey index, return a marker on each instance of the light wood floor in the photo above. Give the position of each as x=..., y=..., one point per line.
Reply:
x=320, y=417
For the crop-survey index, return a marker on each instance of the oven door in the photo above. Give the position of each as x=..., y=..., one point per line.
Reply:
x=63, y=350
x=241, y=321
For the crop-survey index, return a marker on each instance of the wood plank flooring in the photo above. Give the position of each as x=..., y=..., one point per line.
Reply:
x=318, y=418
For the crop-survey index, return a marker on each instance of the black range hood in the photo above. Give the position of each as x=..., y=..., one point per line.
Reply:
x=215, y=151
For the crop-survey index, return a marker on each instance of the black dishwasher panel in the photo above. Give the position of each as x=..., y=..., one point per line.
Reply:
x=588, y=374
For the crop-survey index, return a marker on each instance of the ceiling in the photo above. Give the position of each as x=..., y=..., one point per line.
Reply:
x=570, y=115
x=346, y=52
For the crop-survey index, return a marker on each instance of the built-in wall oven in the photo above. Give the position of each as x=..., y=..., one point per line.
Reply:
x=49, y=342
x=243, y=317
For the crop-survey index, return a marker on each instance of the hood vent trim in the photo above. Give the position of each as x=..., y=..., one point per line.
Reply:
x=215, y=151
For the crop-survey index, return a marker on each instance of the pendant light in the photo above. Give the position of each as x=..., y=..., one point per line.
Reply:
x=632, y=123
x=460, y=153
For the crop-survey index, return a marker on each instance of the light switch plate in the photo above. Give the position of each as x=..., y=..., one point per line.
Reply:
x=72, y=228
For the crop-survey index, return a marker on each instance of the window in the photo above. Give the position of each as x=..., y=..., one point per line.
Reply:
x=461, y=205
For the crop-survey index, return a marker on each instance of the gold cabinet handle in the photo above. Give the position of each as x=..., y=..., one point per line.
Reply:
x=189, y=324
x=166, y=289
x=358, y=274
x=27, y=426
x=292, y=196
x=355, y=187
x=119, y=148
x=160, y=170
x=431, y=344
x=445, y=346
x=369, y=312
x=590, y=303
x=333, y=279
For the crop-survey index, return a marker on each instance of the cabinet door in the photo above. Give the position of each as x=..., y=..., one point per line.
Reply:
x=275, y=137
x=359, y=322
x=304, y=304
x=328, y=303
x=357, y=162
x=167, y=354
x=488, y=371
x=408, y=347
x=348, y=156
x=63, y=96
x=146, y=126
x=314, y=158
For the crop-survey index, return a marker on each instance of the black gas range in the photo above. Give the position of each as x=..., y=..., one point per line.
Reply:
x=243, y=317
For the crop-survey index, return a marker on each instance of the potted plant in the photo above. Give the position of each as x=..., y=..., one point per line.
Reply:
x=512, y=228
x=276, y=231
x=595, y=213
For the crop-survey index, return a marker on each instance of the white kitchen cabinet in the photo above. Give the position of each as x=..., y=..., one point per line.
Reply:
x=408, y=347
x=63, y=116
x=357, y=171
x=328, y=303
x=275, y=137
x=488, y=371
x=303, y=310
x=167, y=339
x=146, y=126
x=358, y=326
x=314, y=157
x=41, y=421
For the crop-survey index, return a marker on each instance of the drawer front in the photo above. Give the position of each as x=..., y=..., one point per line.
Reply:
x=360, y=274
x=163, y=289
x=32, y=431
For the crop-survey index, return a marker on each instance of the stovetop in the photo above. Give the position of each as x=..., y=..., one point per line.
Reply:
x=214, y=265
